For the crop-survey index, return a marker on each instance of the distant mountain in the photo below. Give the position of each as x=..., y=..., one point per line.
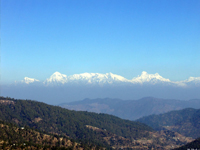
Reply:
x=95, y=85
x=185, y=122
x=84, y=78
x=131, y=109
x=149, y=78
x=110, y=78
x=56, y=78
x=90, y=128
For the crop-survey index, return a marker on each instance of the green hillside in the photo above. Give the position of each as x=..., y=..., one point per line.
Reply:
x=53, y=119
x=14, y=137
x=90, y=129
x=185, y=122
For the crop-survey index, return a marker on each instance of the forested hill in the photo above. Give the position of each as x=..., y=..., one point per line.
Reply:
x=55, y=119
x=15, y=137
x=85, y=127
x=185, y=122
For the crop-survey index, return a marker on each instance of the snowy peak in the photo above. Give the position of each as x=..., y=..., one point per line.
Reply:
x=152, y=78
x=56, y=78
x=96, y=78
x=109, y=78
x=29, y=80
x=82, y=76
x=116, y=77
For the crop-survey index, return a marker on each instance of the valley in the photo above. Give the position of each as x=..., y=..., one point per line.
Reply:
x=131, y=109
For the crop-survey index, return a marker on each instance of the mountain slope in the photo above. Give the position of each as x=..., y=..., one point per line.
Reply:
x=99, y=129
x=131, y=109
x=54, y=119
x=185, y=122
x=14, y=137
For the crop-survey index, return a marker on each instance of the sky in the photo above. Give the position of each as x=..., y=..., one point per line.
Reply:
x=124, y=37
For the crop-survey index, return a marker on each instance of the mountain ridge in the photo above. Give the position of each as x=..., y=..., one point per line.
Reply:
x=131, y=109
x=185, y=121
x=109, y=78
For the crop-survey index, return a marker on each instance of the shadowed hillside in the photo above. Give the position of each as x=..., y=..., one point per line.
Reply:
x=185, y=122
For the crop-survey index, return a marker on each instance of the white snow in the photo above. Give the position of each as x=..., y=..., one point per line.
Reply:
x=153, y=78
x=193, y=79
x=57, y=78
x=96, y=78
x=109, y=78
x=29, y=80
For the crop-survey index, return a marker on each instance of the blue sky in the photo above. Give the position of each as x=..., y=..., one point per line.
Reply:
x=124, y=37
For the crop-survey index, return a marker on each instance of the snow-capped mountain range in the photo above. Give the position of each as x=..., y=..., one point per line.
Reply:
x=87, y=78
x=109, y=78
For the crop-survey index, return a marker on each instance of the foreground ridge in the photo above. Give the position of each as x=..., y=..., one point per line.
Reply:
x=93, y=129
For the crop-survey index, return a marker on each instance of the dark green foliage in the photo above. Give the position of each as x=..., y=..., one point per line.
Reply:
x=53, y=119
x=187, y=121
x=16, y=137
